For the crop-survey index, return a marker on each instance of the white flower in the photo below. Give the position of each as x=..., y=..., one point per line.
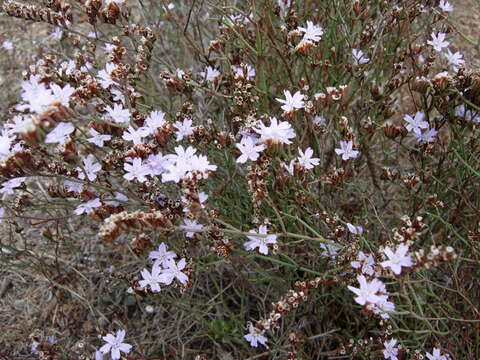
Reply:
x=90, y=168
x=174, y=271
x=157, y=163
x=60, y=133
x=210, y=74
x=436, y=355
x=151, y=279
x=438, y=42
x=135, y=136
x=115, y=345
x=364, y=263
x=260, y=242
x=73, y=186
x=249, y=149
x=359, y=57
x=312, y=32
x=416, y=123
x=454, y=59
x=319, y=120
x=428, y=136
x=62, y=94
x=7, y=45
x=355, y=230
x=390, y=351
x=184, y=129
x=104, y=75
x=290, y=167
x=367, y=293
x=97, y=138
x=36, y=94
x=305, y=159
x=277, y=132
x=57, y=34
x=445, y=6
x=118, y=114
x=255, y=336
x=291, y=103
x=136, y=170
x=329, y=250
x=162, y=256
x=346, y=150
x=191, y=224
x=9, y=185
x=87, y=207
x=155, y=120
x=245, y=71
x=397, y=259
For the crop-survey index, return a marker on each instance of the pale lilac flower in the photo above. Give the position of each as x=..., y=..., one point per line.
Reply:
x=62, y=94
x=136, y=170
x=135, y=135
x=329, y=250
x=438, y=42
x=346, y=150
x=455, y=60
x=245, y=71
x=249, y=149
x=390, y=351
x=151, y=279
x=155, y=120
x=104, y=75
x=9, y=185
x=115, y=345
x=291, y=103
x=90, y=168
x=118, y=114
x=355, y=230
x=157, y=163
x=174, y=271
x=97, y=138
x=87, y=207
x=162, y=256
x=260, y=242
x=210, y=74
x=364, y=263
x=73, y=186
x=57, y=34
x=359, y=57
x=191, y=224
x=36, y=95
x=2, y=214
x=255, y=336
x=436, y=355
x=60, y=133
x=312, y=32
x=445, y=6
x=368, y=291
x=290, y=167
x=468, y=114
x=416, y=123
x=305, y=159
x=277, y=132
x=427, y=136
x=319, y=120
x=184, y=129
x=398, y=259
x=7, y=45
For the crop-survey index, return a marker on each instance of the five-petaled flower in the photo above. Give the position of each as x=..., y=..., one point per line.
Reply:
x=291, y=102
x=255, y=336
x=368, y=292
x=398, y=259
x=346, y=150
x=115, y=345
x=260, y=242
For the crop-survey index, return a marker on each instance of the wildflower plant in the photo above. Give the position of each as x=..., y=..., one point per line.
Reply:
x=288, y=179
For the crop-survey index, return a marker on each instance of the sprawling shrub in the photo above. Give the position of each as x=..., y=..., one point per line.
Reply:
x=243, y=179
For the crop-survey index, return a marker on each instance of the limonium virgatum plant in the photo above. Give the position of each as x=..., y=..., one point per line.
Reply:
x=247, y=179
